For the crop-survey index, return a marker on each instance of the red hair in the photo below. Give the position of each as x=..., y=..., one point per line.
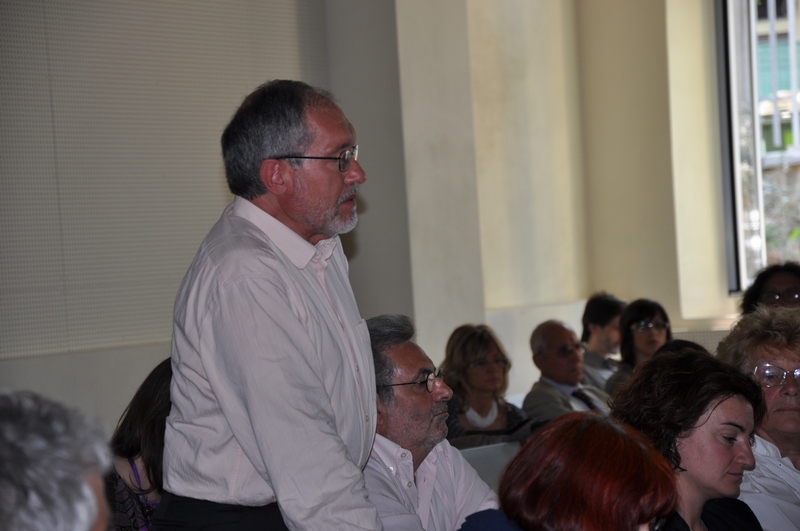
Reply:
x=589, y=472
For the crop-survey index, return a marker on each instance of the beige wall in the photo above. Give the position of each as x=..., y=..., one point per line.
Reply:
x=441, y=179
x=593, y=155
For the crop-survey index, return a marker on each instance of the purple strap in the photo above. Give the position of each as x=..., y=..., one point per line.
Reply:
x=135, y=473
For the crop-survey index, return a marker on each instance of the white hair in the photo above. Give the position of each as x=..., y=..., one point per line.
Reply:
x=47, y=453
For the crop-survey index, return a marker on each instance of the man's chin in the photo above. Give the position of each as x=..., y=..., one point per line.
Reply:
x=342, y=225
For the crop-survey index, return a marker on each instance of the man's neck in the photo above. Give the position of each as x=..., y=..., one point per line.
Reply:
x=788, y=444
x=593, y=345
x=418, y=456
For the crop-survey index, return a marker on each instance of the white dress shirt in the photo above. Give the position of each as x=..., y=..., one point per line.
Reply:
x=772, y=489
x=446, y=491
x=274, y=388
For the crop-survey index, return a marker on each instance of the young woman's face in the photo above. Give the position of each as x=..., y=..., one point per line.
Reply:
x=649, y=335
x=715, y=454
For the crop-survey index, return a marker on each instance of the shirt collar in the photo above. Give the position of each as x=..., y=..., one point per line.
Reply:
x=299, y=251
x=764, y=447
x=391, y=453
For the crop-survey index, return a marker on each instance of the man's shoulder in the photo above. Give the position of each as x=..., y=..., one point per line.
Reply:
x=545, y=402
x=234, y=249
x=543, y=390
x=596, y=393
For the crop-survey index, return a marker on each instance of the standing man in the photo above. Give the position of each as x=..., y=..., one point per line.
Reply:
x=273, y=390
x=601, y=336
x=559, y=356
x=416, y=479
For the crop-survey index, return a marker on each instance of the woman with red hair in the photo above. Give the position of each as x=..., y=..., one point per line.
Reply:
x=582, y=471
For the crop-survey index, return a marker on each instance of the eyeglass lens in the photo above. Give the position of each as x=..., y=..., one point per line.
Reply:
x=565, y=350
x=430, y=381
x=641, y=326
x=791, y=295
x=772, y=376
x=346, y=156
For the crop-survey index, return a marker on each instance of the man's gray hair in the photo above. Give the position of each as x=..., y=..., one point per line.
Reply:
x=47, y=452
x=271, y=122
x=538, y=343
x=385, y=333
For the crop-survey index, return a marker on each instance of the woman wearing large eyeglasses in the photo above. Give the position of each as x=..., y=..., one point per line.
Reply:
x=476, y=369
x=766, y=345
x=701, y=414
x=644, y=327
x=775, y=286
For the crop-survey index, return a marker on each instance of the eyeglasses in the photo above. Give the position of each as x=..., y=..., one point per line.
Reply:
x=565, y=351
x=789, y=295
x=773, y=376
x=643, y=326
x=657, y=524
x=482, y=364
x=344, y=158
x=428, y=382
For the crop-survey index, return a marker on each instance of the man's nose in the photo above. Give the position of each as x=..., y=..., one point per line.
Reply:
x=790, y=385
x=355, y=173
x=442, y=390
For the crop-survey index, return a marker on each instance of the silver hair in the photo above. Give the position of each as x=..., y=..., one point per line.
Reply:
x=47, y=453
x=538, y=343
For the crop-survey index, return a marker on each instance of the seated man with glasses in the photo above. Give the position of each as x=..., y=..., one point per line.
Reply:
x=766, y=344
x=559, y=356
x=413, y=476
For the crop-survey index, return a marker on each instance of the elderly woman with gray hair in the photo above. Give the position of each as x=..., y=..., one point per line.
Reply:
x=766, y=344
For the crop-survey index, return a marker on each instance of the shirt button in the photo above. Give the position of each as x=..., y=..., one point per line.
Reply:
x=366, y=418
x=403, y=455
x=409, y=485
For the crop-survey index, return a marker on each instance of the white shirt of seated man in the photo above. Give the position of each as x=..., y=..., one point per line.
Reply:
x=414, y=477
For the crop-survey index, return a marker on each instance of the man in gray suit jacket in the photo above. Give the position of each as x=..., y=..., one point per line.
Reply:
x=559, y=356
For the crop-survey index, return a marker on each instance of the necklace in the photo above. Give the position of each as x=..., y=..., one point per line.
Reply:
x=482, y=422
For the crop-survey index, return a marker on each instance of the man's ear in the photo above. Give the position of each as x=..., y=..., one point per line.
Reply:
x=593, y=329
x=536, y=358
x=276, y=175
x=382, y=421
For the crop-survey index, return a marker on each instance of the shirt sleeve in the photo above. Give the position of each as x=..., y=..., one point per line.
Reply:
x=395, y=510
x=270, y=382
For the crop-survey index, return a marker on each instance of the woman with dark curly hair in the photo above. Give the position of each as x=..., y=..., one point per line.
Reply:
x=582, y=471
x=476, y=368
x=776, y=285
x=701, y=414
x=644, y=327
